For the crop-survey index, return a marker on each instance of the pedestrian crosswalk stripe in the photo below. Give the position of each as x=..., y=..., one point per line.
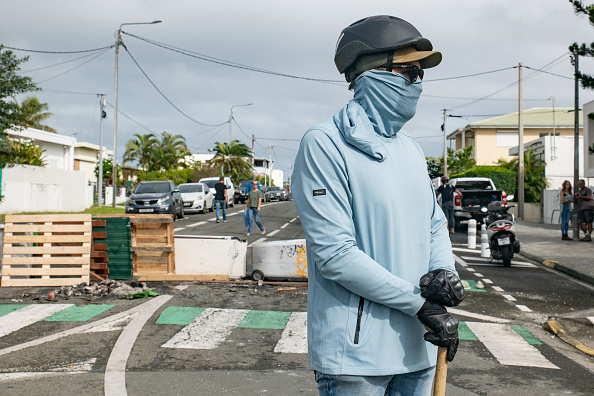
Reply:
x=179, y=315
x=294, y=337
x=28, y=315
x=266, y=320
x=208, y=330
x=79, y=313
x=8, y=308
x=507, y=346
x=487, y=261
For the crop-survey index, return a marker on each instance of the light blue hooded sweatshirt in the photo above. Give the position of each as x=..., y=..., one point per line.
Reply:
x=373, y=228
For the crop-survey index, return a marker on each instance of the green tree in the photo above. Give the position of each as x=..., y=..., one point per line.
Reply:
x=108, y=172
x=31, y=113
x=234, y=159
x=584, y=49
x=141, y=150
x=461, y=160
x=534, y=174
x=24, y=153
x=434, y=166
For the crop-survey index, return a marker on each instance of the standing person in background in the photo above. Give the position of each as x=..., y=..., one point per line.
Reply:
x=254, y=200
x=221, y=198
x=380, y=270
x=566, y=198
x=447, y=201
x=583, y=201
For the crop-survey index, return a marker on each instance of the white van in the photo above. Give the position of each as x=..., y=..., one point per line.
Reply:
x=211, y=181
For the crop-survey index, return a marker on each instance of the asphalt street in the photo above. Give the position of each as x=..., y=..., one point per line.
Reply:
x=211, y=339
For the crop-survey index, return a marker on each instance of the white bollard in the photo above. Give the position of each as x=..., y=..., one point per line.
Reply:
x=485, y=251
x=472, y=234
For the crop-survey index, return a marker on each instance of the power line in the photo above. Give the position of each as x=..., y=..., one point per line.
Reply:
x=74, y=68
x=68, y=92
x=469, y=75
x=165, y=97
x=546, y=72
x=60, y=52
x=57, y=64
x=131, y=119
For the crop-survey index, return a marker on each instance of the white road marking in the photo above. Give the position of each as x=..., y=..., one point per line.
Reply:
x=293, y=219
x=256, y=241
x=460, y=261
x=476, y=261
x=523, y=308
x=509, y=297
x=508, y=347
x=468, y=314
x=196, y=224
x=179, y=229
x=465, y=250
x=274, y=232
x=489, y=281
x=114, y=383
x=26, y=316
x=479, y=275
x=208, y=330
x=497, y=288
x=470, y=269
x=181, y=287
x=591, y=319
x=294, y=337
x=75, y=368
x=284, y=225
x=114, y=325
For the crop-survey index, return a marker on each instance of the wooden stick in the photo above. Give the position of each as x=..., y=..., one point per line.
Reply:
x=441, y=372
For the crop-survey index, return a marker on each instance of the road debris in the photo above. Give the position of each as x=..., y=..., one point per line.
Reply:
x=105, y=288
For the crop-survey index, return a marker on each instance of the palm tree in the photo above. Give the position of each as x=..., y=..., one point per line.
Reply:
x=169, y=151
x=534, y=174
x=234, y=158
x=31, y=113
x=141, y=149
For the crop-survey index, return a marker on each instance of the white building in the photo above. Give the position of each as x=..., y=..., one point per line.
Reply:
x=59, y=149
x=589, y=139
x=86, y=158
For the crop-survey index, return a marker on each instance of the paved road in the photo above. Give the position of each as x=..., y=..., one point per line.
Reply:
x=213, y=339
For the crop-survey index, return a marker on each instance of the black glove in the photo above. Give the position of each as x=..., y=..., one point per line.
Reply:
x=443, y=327
x=442, y=286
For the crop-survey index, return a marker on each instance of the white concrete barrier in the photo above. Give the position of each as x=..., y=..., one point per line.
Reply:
x=210, y=255
x=280, y=259
x=485, y=251
x=472, y=234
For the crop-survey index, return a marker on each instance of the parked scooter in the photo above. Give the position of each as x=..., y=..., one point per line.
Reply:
x=501, y=232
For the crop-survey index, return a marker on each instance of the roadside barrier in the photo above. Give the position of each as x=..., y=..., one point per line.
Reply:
x=485, y=251
x=471, y=234
x=280, y=259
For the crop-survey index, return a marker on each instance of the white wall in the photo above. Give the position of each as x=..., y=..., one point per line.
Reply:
x=35, y=189
x=589, y=139
x=559, y=159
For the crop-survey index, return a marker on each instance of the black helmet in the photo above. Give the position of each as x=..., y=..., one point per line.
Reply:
x=381, y=33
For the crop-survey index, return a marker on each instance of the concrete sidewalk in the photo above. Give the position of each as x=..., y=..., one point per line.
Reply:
x=542, y=243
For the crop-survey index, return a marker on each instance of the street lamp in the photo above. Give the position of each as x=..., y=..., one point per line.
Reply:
x=115, y=98
x=231, y=119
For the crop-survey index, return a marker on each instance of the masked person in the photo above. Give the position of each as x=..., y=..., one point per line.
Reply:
x=380, y=269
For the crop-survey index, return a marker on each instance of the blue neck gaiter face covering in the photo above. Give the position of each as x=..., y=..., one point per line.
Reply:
x=389, y=99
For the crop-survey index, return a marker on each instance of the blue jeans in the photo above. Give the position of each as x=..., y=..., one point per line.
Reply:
x=565, y=215
x=254, y=216
x=417, y=383
x=223, y=204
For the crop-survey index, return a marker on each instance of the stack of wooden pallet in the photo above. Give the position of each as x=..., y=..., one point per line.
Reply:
x=46, y=250
x=99, y=269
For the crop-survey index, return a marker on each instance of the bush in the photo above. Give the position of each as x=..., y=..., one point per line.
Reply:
x=503, y=178
x=178, y=176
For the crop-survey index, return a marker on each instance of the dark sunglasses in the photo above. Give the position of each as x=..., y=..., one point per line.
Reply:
x=413, y=71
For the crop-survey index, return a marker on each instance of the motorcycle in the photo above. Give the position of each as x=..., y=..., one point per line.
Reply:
x=501, y=232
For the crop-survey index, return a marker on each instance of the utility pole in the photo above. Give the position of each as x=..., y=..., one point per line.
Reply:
x=445, y=147
x=270, y=166
x=576, y=140
x=114, y=173
x=231, y=119
x=520, y=146
x=253, y=152
x=102, y=115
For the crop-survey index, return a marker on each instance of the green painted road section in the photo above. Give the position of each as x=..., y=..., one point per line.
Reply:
x=265, y=320
x=179, y=315
x=473, y=287
x=526, y=335
x=8, y=308
x=464, y=333
x=79, y=313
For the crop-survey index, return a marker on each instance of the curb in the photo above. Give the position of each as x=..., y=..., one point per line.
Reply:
x=553, y=327
x=560, y=267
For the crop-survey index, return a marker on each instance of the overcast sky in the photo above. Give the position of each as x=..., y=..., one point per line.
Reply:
x=296, y=38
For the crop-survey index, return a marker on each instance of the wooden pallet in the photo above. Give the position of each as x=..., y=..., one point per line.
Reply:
x=99, y=269
x=46, y=250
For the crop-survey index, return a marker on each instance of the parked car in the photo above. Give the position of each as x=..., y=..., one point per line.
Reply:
x=212, y=181
x=240, y=191
x=275, y=193
x=161, y=197
x=197, y=197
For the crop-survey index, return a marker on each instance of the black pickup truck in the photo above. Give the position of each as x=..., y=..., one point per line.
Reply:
x=477, y=193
